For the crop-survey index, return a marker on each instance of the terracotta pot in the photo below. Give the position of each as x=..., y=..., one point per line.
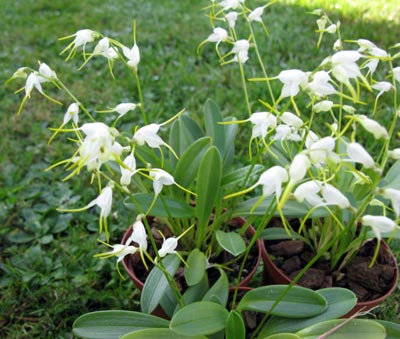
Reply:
x=274, y=275
x=129, y=267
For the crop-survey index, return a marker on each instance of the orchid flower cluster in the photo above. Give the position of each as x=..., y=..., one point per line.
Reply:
x=349, y=194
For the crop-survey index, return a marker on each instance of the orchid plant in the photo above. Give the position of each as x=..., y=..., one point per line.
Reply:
x=326, y=176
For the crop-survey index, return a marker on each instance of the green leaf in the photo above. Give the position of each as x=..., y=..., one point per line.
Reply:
x=392, y=329
x=168, y=302
x=212, y=118
x=156, y=284
x=298, y=302
x=194, y=293
x=207, y=190
x=188, y=165
x=392, y=178
x=231, y=242
x=278, y=233
x=354, y=329
x=235, y=328
x=234, y=178
x=114, y=324
x=219, y=291
x=196, y=269
x=200, y=318
x=164, y=207
x=229, y=149
x=281, y=336
x=159, y=333
x=340, y=301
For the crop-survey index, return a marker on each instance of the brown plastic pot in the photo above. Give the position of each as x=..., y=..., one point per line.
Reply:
x=274, y=275
x=129, y=267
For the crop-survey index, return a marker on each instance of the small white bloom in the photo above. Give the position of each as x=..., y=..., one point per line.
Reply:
x=219, y=34
x=344, y=66
x=47, y=72
x=231, y=17
x=299, y=167
x=321, y=150
x=357, y=153
x=262, y=122
x=286, y=132
x=394, y=154
x=311, y=138
x=373, y=127
x=72, y=113
x=321, y=23
x=83, y=36
x=309, y=191
x=104, y=201
x=331, y=29
x=337, y=45
x=256, y=14
x=133, y=55
x=33, y=81
x=394, y=196
x=241, y=51
x=382, y=86
x=349, y=109
x=160, y=178
x=127, y=173
x=320, y=85
x=333, y=196
x=323, y=106
x=168, y=247
x=123, y=108
x=120, y=251
x=396, y=73
x=138, y=235
x=291, y=119
x=230, y=4
x=272, y=180
x=379, y=224
x=148, y=134
x=292, y=80
x=103, y=48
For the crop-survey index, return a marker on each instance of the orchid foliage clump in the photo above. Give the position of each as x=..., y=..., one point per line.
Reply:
x=342, y=189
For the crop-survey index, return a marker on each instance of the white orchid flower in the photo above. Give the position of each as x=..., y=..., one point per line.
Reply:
x=344, y=66
x=369, y=47
x=394, y=153
x=123, y=108
x=34, y=80
x=241, y=51
x=321, y=150
x=323, y=106
x=333, y=196
x=320, y=85
x=256, y=14
x=161, y=178
x=104, y=201
x=231, y=17
x=47, y=72
x=379, y=224
x=262, y=122
x=218, y=35
x=299, y=167
x=118, y=250
x=272, y=180
x=71, y=113
x=82, y=37
x=382, y=87
x=231, y=4
x=292, y=80
x=291, y=119
x=357, y=153
x=286, y=132
x=133, y=55
x=309, y=191
x=394, y=196
x=148, y=134
x=103, y=48
x=373, y=127
x=128, y=171
x=396, y=73
x=138, y=235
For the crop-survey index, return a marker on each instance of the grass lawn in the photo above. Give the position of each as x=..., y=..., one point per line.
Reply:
x=48, y=273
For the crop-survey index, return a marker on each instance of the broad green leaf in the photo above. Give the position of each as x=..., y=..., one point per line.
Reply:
x=353, y=329
x=168, y=302
x=234, y=178
x=156, y=284
x=235, y=328
x=340, y=301
x=212, y=118
x=278, y=233
x=196, y=268
x=229, y=149
x=231, y=242
x=193, y=294
x=164, y=206
x=392, y=329
x=281, y=336
x=200, y=318
x=298, y=302
x=392, y=178
x=159, y=333
x=207, y=189
x=219, y=291
x=114, y=324
x=188, y=165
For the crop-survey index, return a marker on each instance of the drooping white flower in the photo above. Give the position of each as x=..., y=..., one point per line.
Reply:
x=230, y=4
x=272, y=179
x=396, y=73
x=379, y=224
x=83, y=36
x=299, y=167
x=47, y=72
x=331, y=29
x=394, y=196
x=103, y=48
x=138, y=235
x=148, y=134
x=323, y=106
x=33, y=81
x=120, y=251
x=291, y=119
x=344, y=66
x=309, y=191
x=128, y=171
x=218, y=35
x=321, y=150
x=231, y=17
x=286, y=132
x=292, y=80
x=161, y=178
x=357, y=153
x=72, y=113
x=256, y=14
x=125, y=107
x=133, y=55
x=241, y=51
x=168, y=247
x=373, y=127
x=104, y=201
x=262, y=122
x=320, y=85
x=394, y=153
x=382, y=87
x=333, y=196
x=376, y=53
x=311, y=138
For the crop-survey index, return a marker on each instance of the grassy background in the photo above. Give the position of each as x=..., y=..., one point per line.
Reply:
x=48, y=274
